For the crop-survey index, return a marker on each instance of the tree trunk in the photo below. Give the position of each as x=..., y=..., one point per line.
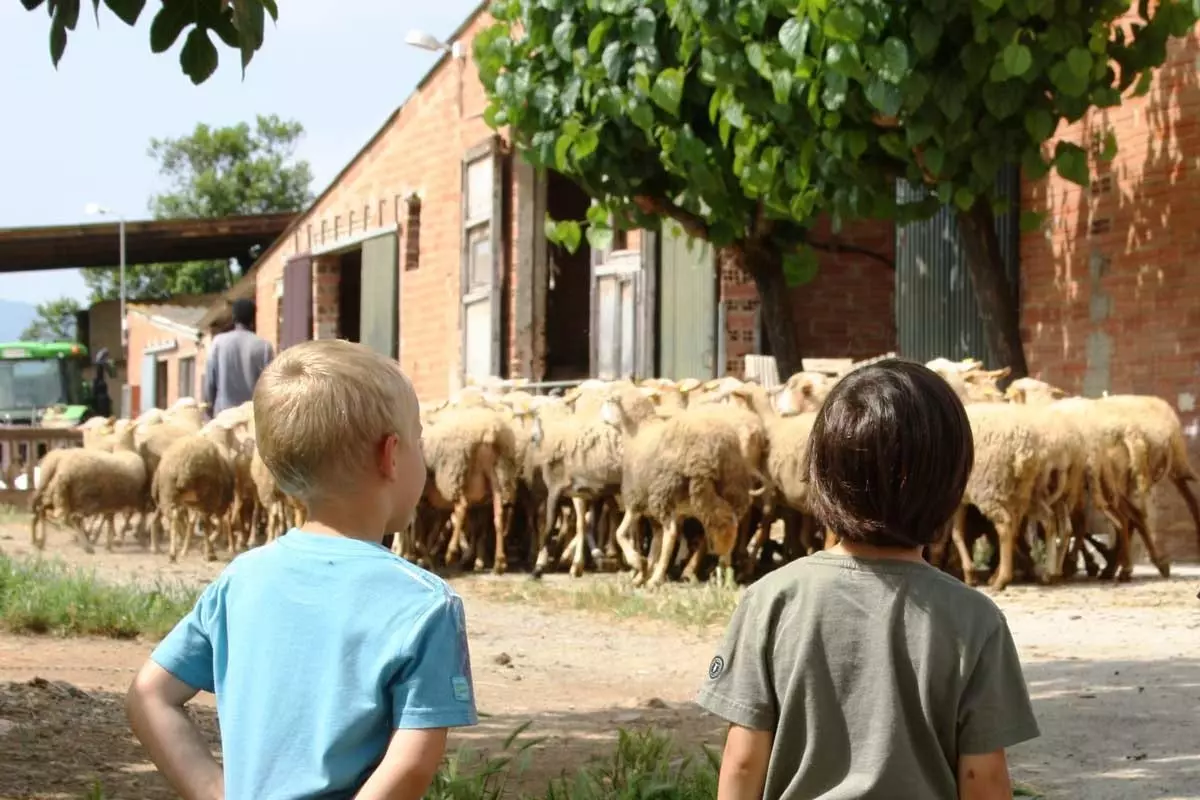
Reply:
x=765, y=266
x=994, y=295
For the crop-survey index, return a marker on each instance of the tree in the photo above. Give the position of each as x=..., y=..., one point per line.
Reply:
x=668, y=109
x=745, y=121
x=952, y=92
x=214, y=172
x=55, y=321
x=238, y=23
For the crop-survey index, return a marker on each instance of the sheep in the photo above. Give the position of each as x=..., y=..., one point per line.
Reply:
x=195, y=474
x=581, y=456
x=680, y=466
x=470, y=456
x=80, y=482
x=1007, y=466
x=1161, y=451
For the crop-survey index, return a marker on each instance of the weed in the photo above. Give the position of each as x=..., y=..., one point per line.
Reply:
x=38, y=596
x=701, y=606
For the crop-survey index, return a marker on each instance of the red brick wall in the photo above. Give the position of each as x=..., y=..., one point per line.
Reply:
x=1110, y=297
x=421, y=152
x=847, y=311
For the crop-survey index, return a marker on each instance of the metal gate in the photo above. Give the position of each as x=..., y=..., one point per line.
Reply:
x=936, y=313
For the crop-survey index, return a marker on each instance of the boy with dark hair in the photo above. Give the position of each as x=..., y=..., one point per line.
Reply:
x=862, y=671
x=337, y=666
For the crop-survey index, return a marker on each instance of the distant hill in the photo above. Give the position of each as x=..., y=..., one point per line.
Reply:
x=14, y=319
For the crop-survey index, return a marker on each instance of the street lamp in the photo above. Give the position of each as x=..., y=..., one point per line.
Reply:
x=427, y=41
x=95, y=209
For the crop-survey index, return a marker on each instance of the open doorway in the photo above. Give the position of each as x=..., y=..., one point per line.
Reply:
x=350, y=296
x=568, y=295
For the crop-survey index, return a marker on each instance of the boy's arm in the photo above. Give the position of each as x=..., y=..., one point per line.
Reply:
x=179, y=667
x=740, y=691
x=431, y=692
x=984, y=777
x=744, y=764
x=155, y=706
x=994, y=713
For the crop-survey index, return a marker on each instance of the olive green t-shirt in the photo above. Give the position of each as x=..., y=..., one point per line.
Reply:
x=875, y=675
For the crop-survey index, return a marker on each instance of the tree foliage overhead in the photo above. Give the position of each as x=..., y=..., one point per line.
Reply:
x=239, y=24
x=745, y=121
x=55, y=321
x=214, y=172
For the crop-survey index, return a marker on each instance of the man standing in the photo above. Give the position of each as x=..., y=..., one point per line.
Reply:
x=235, y=360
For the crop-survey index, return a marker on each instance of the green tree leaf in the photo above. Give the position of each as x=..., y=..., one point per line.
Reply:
x=199, y=56
x=894, y=63
x=793, y=35
x=926, y=33
x=127, y=10
x=1108, y=149
x=1039, y=124
x=844, y=22
x=1079, y=61
x=600, y=237
x=167, y=25
x=884, y=96
x=598, y=35
x=1017, y=59
x=668, y=90
x=1031, y=221
x=800, y=267
x=1071, y=162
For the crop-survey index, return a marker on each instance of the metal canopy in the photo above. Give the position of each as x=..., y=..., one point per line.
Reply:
x=147, y=242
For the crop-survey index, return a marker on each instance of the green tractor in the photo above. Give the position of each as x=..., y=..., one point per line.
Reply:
x=42, y=384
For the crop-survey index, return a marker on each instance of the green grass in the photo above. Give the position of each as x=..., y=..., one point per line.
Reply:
x=703, y=605
x=643, y=766
x=38, y=596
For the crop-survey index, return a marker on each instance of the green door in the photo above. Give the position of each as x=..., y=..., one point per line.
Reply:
x=380, y=326
x=687, y=296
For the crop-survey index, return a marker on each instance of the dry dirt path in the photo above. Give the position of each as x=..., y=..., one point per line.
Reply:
x=1114, y=671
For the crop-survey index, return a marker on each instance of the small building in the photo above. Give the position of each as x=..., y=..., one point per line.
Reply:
x=166, y=352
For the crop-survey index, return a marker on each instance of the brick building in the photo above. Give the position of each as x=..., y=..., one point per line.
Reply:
x=166, y=356
x=1110, y=295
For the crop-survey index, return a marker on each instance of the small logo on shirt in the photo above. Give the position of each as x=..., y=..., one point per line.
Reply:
x=462, y=688
x=716, y=668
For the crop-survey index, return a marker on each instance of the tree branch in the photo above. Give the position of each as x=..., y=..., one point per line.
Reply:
x=693, y=224
x=835, y=246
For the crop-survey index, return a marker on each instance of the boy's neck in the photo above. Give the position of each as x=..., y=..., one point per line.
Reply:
x=863, y=550
x=344, y=523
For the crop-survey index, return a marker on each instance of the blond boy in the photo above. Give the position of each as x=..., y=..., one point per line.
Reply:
x=337, y=666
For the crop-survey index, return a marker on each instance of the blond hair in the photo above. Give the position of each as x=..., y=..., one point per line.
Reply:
x=320, y=410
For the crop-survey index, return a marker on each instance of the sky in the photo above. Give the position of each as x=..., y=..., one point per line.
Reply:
x=79, y=134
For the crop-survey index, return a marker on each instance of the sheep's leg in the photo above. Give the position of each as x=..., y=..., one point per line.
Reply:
x=543, y=532
x=458, y=521
x=38, y=514
x=1006, y=533
x=582, y=523
x=691, y=569
x=611, y=551
x=1140, y=524
x=181, y=533
x=1062, y=542
x=75, y=522
x=958, y=535
x=110, y=523
x=207, y=535
x=669, y=541
x=502, y=517
x=1185, y=491
x=625, y=540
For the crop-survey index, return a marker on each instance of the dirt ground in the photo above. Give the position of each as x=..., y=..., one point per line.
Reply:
x=1114, y=671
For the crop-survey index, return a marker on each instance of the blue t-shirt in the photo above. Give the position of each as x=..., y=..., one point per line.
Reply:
x=317, y=648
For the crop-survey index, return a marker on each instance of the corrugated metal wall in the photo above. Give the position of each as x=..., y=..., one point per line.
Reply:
x=936, y=313
x=687, y=329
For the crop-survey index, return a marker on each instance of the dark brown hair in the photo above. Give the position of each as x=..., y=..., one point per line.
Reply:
x=889, y=455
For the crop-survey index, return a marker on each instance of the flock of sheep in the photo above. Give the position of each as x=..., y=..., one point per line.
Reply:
x=657, y=477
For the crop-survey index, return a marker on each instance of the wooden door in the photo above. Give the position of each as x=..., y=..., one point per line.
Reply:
x=297, y=324
x=379, y=326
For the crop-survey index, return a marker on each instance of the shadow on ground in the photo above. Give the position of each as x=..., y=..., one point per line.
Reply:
x=1137, y=739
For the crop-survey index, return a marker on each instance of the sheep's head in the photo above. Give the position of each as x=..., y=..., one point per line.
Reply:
x=1032, y=392
x=611, y=412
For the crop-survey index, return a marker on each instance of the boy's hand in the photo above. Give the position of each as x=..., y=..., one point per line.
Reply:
x=744, y=764
x=412, y=759
x=155, y=706
x=984, y=777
